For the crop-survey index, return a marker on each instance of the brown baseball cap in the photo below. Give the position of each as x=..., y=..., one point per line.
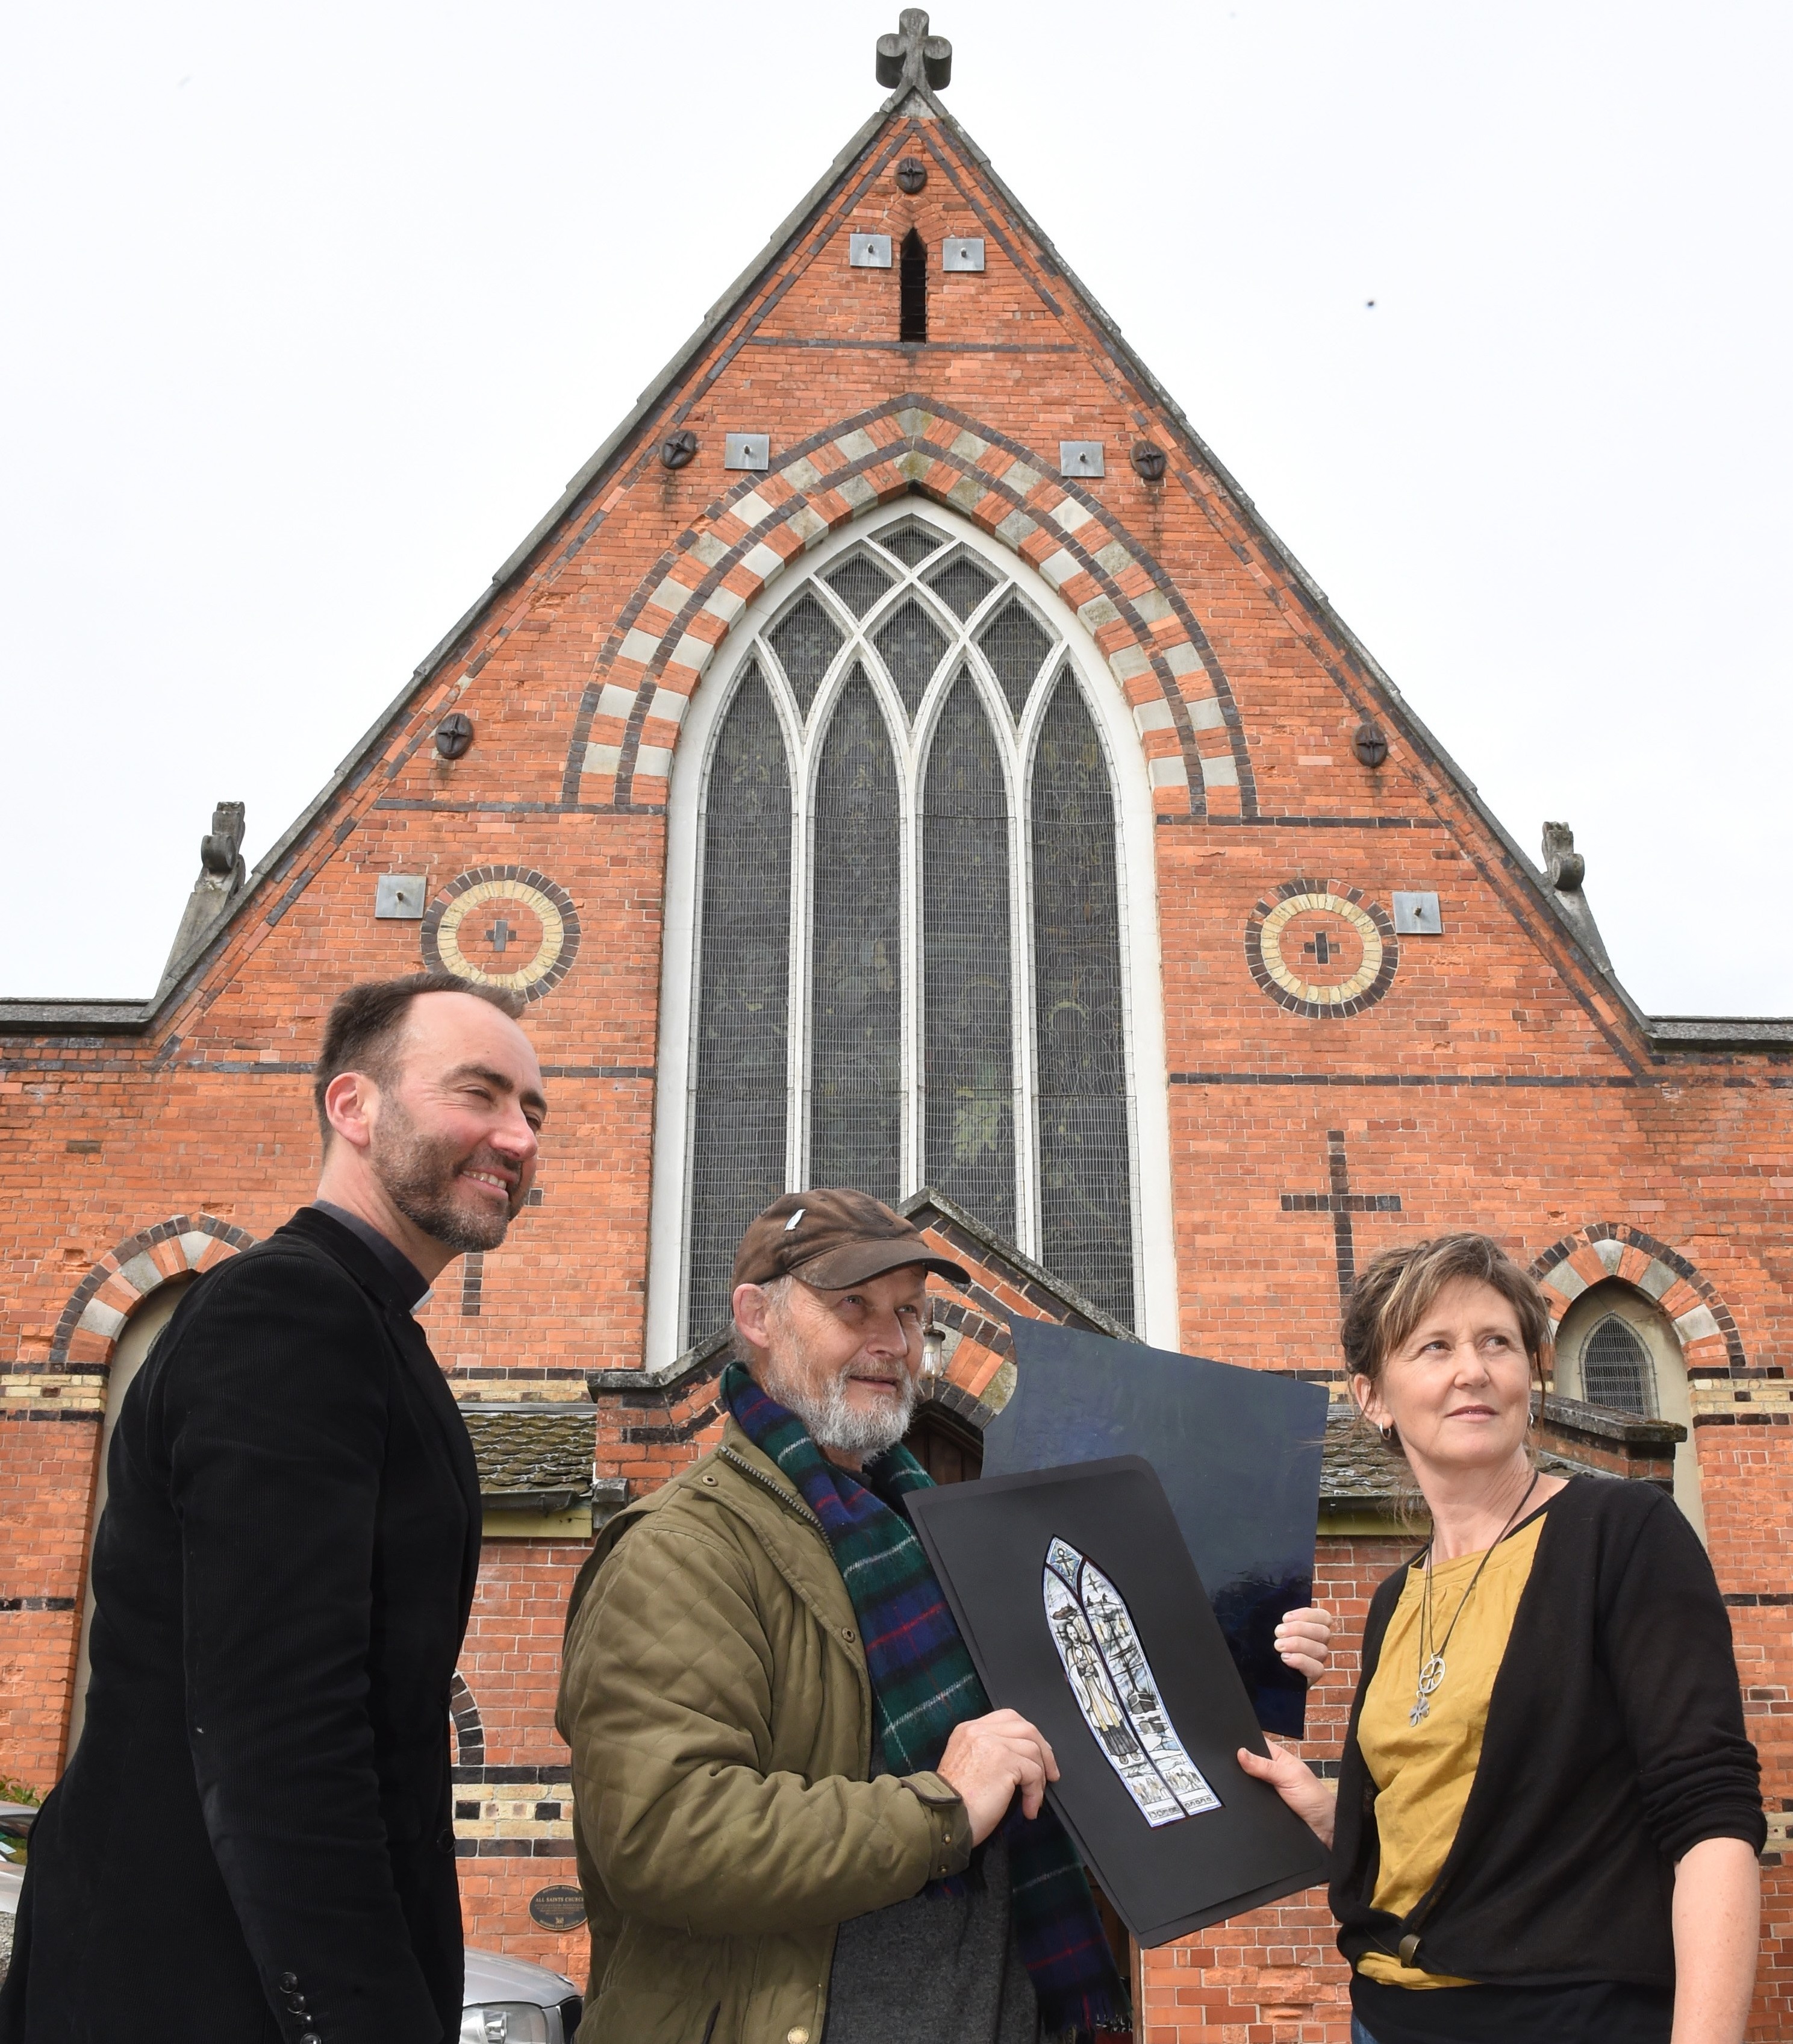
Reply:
x=832, y=1237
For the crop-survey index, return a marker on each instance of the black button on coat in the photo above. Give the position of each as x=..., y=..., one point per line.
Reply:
x=282, y=1576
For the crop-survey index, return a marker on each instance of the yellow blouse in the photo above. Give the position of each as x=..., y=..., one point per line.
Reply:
x=1423, y=1773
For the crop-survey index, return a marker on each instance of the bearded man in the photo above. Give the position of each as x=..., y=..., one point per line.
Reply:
x=253, y=1840
x=797, y=1815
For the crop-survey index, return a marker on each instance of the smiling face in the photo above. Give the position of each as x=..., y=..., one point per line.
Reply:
x=454, y=1127
x=845, y=1362
x=1458, y=1389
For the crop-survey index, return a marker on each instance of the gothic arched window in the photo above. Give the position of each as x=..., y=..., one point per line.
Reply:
x=896, y=813
x=1615, y=1348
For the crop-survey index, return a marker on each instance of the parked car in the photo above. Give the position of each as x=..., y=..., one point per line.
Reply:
x=15, y=1830
x=506, y=2001
x=509, y=2001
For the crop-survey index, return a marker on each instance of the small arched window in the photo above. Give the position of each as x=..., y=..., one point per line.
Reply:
x=912, y=287
x=1616, y=1369
x=1615, y=1348
x=897, y=815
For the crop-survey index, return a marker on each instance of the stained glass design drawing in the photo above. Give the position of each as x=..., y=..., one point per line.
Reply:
x=963, y=584
x=912, y=645
x=856, y=993
x=740, y=1099
x=969, y=1016
x=858, y=582
x=1081, y=1105
x=1105, y=1664
x=806, y=640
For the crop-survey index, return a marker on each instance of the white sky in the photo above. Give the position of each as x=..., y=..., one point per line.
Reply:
x=311, y=313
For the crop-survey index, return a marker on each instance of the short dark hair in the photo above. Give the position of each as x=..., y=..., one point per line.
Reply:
x=365, y=1023
x=1395, y=1293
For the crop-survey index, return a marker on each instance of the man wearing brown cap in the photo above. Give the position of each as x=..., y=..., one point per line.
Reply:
x=797, y=1816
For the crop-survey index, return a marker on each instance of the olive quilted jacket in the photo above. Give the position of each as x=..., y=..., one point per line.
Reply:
x=714, y=1693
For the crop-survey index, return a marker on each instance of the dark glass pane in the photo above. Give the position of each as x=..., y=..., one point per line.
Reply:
x=805, y=639
x=964, y=584
x=912, y=646
x=913, y=542
x=1015, y=645
x=856, y=1074
x=1615, y=1369
x=859, y=583
x=970, y=1025
x=739, y=1101
x=1086, y=1227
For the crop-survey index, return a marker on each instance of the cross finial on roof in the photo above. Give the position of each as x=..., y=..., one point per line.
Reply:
x=911, y=56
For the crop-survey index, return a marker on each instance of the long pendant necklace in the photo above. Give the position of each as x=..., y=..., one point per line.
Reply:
x=1432, y=1659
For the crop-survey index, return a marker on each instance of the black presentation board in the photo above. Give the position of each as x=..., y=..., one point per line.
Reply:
x=1135, y=1688
x=1237, y=1452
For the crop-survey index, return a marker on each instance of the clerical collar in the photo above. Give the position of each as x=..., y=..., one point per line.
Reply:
x=410, y=1280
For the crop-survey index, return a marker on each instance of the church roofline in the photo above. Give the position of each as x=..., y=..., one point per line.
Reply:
x=1665, y=1034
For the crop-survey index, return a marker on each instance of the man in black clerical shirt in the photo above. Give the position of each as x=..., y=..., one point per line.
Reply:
x=253, y=1840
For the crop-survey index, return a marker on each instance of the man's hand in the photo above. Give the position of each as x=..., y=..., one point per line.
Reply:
x=1314, y=1801
x=987, y=1759
x=1305, y=1639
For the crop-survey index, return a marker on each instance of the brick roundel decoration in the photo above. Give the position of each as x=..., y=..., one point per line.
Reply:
x=1604, y=1249
x=673, y=626
x=503, y=926
x=1321, y=949
x=94, y=1317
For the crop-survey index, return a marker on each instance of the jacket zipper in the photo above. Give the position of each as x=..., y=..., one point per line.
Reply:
x=790, y=1503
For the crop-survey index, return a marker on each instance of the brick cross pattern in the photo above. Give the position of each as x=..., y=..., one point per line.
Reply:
x=911, y=56
x=1322, y=948
x=1341, y=1202
x=501, y=935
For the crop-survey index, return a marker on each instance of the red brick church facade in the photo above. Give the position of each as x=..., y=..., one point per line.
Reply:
x=1322, y=1000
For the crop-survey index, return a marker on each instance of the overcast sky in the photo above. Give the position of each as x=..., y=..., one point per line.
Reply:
x=311, y=313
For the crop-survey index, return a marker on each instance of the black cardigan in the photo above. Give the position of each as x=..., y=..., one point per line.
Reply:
x=1614, y=1742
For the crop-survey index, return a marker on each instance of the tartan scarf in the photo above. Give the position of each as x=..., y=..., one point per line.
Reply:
x=923, y=1684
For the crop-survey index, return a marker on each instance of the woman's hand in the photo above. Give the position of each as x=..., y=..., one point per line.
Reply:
x=1314, y=1801
x=1305, y=1639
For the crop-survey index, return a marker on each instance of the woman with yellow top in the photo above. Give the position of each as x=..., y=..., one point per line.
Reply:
x=1548, y=1815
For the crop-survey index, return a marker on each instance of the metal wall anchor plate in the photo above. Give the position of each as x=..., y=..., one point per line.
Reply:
x=962, y=252
x=1082, y=458
x=1417, y=915
x=398, y=898
x=747, y=450
x=868, y=251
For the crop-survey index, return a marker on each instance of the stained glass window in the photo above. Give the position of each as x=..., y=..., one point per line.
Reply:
x=963, y=583
x=875, y=917
x=1085, y=1175
x=912, y=542
x=912, y=645
x=1015, y=644
x=969, y=1025
x=859, y=583
x=1615, y=1369
x=856, y=993
x=805, y=639
x=739, y=1102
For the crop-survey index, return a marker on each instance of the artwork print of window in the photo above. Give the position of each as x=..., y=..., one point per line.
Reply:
x=1104, y=1662
x=909, y=958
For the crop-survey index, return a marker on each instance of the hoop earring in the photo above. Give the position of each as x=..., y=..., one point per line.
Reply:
x=1390, y=1438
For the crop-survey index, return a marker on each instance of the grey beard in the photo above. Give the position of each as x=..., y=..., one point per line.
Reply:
x=833, y=1424
x=419, y=1177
